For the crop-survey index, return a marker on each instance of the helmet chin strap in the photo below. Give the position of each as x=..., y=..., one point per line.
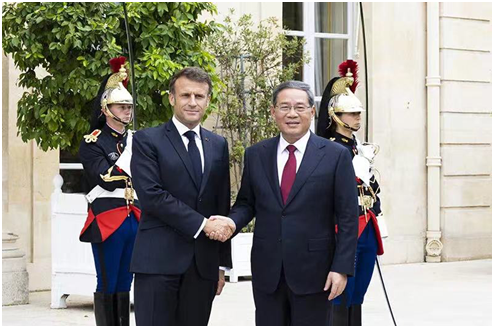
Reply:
x=108, y=110
x=335, y=117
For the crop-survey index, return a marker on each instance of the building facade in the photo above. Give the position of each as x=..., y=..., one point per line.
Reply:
x=429, y=69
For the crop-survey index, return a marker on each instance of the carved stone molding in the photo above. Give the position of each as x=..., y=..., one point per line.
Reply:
x=433, y=248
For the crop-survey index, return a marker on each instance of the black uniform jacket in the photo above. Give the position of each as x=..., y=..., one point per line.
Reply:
x=351, y=145
x=300, y=235
x=98, y=155
x=174, y=206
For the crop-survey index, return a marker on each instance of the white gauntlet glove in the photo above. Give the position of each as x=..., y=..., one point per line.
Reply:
x=124, y=161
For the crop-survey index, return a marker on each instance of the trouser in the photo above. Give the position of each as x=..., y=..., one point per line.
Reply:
x=173, y=300
x=285, y=308
x=365, y=260
x=347, y=309
x=112, y=261
x=112, y=258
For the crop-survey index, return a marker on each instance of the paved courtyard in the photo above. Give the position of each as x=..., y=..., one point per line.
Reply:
x=440, y=294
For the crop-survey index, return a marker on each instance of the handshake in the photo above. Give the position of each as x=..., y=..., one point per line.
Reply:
x=219, y=228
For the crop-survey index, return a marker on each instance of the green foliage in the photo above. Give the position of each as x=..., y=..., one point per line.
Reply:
x=73, y=43
x=251, y=62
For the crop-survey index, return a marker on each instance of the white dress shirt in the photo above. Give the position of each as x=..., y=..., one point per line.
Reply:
x=283, y=153
x=182, y=129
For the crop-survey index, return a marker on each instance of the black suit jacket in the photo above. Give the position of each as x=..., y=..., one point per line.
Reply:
x=300, y=235
x=174, y=206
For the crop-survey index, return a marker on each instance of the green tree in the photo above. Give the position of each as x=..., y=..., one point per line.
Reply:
x=73, y=43
x=251, y=61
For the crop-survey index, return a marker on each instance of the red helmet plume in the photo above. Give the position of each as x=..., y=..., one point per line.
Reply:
x=115, y=64
x=343, y=69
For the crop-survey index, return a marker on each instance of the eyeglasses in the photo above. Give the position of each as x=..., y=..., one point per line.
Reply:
x=298, y=108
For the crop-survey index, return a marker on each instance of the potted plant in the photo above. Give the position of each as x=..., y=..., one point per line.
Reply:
x=251, y=62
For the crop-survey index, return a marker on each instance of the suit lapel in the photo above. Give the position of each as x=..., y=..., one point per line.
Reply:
x=312, y=156
x=269, y=161
x=207, y=149
x=177, y=142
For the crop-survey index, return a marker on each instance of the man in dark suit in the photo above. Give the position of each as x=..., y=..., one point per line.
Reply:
x=298, y=186
x=181, y=175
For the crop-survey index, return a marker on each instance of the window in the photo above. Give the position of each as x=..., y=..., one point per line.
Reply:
x=328, y=30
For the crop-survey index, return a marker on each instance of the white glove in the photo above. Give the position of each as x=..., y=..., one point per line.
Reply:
x=383, y=228
x=361, y=165
x=124, y=161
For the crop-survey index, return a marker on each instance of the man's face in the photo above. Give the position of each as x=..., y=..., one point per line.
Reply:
x=189, y=100
x=352, y=119
x=122, y=111
x=293, y=123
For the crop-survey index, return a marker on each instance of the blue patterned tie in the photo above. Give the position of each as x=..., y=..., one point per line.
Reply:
x=195, y=156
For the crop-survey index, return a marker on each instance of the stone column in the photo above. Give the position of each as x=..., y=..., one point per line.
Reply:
x=15, y=279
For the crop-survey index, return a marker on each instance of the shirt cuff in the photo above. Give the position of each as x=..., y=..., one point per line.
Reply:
x=200, y=228
x=224, y=268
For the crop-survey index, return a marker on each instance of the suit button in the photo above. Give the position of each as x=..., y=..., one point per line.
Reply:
x=279, y=240
x=200, y=200
x=282, y=216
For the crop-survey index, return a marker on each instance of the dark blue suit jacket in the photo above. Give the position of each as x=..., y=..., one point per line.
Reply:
x=174, y=206
x=300, y=236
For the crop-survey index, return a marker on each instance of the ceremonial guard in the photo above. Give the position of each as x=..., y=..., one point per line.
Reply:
x=339, y=118
x=113, y=209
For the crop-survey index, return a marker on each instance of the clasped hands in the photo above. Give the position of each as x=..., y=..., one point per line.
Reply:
x=219, y=228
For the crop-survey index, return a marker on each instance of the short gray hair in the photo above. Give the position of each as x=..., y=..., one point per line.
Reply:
x=294, y=85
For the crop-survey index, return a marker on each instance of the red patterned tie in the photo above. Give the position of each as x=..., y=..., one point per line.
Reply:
x=289, y=172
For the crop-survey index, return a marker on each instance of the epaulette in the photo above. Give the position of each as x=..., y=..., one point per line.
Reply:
x=332, y=139
x=93, y=136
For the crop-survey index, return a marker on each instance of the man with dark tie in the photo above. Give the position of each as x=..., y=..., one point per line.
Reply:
x=181, y=175
x=297, y=185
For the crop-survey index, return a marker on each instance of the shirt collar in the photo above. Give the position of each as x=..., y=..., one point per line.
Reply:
x=181, y=128
x=300, y=144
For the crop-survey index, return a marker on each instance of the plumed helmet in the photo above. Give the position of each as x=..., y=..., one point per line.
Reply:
x=339, y=97
x=115, y=91
x=112, y=91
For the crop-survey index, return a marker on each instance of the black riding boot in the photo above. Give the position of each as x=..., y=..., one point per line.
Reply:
x=123, y=309
x=355, y=315
x=104, y=309
x=340, y=315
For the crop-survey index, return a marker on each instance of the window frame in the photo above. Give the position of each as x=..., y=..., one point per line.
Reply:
x=310, y=35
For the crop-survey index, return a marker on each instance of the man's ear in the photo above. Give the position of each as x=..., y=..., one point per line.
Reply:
x=171, y=98
x=272, y=111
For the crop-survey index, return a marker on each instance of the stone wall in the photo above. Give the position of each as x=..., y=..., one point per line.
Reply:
x=397, y=67
x=27, y=185
x=466, y=131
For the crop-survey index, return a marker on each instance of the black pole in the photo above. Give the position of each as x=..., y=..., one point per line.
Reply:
x=385, y=293
x=366, y=79
x=131, y=59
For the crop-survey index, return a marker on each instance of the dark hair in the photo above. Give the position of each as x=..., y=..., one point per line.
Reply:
x=195, y=74
x=294, y=85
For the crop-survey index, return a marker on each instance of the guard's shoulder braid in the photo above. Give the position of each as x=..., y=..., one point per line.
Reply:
x=93, y=136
